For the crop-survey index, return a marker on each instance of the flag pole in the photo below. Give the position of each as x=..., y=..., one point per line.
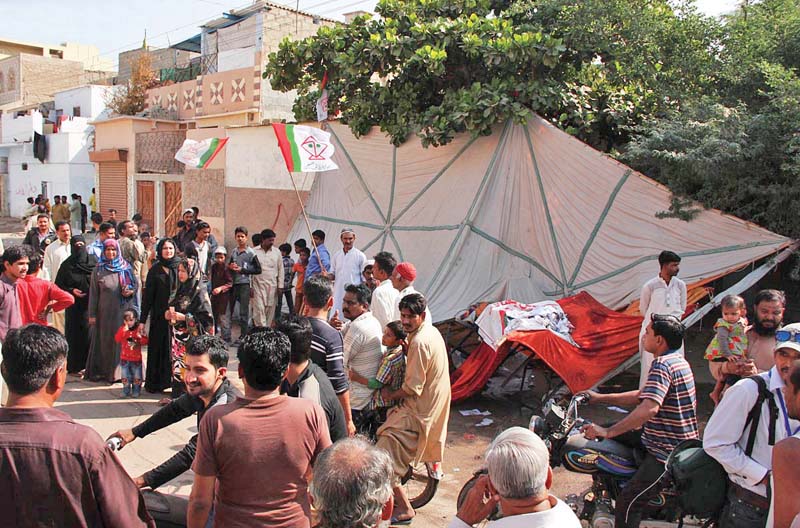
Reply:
x=308, y=224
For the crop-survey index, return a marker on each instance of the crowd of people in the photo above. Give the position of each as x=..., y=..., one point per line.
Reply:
x=347, y=387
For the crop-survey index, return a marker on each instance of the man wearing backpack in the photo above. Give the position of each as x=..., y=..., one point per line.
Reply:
x=745, y=450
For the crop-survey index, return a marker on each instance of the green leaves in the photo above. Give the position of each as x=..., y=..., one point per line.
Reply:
x=429, y=67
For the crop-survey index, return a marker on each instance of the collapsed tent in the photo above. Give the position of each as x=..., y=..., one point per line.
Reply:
x=528, y=213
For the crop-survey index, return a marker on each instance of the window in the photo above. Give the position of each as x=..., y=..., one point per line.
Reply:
x=76, y=111
x=24, y=166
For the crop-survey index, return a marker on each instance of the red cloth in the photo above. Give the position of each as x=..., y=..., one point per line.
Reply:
x=35, y=295
x=130, y=343
x=606, y=338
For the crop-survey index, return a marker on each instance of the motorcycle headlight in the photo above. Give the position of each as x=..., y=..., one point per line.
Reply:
x=538, y=425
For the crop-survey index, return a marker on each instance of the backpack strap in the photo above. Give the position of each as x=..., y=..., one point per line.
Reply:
x=754, y=416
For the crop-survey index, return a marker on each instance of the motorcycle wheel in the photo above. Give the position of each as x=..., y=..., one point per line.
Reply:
x=462, y=495
x=420, y=487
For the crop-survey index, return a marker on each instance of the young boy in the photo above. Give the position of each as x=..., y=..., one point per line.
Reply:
x=391, y=374
x=300, y=269
x=130, y=339
x=288, y=275
x=221, y=284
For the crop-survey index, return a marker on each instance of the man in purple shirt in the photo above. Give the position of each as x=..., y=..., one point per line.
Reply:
x=54, y=471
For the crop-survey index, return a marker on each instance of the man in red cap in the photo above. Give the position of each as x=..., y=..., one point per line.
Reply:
x=403, y=278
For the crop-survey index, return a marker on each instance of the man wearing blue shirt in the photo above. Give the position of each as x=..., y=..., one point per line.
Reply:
x=321, y=254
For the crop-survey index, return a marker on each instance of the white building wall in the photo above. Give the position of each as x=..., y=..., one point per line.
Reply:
x=91, y=99
x=16, y=129
x=66, y=170
x=253, y=160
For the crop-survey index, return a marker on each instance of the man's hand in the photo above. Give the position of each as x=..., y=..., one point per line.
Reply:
x=139, y=481
x=216, y=291
x=351, y=428
x=77, y=293
x=594, y=431
x=92, y=321
x=335, y=321
x=480, y=502
x=594, y=396
x=126, y=435
x=234, y=267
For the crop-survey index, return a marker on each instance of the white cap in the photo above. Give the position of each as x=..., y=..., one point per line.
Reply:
x=220, y=250
x=794, y=329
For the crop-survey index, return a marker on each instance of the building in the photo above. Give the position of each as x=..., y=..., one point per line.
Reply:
x=65, y=168
x=27, y=81
x=169, y=64
x=247, y=183
x=87, y=55
x=229, y=89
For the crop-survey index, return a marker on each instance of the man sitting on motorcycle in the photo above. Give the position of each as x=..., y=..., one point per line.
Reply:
x=666, y=414
x=206, y=386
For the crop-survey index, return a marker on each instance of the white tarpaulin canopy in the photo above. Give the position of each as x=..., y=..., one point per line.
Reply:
x=528, y=213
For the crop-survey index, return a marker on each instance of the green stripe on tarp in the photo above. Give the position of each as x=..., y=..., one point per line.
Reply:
x=698, y=253
x=433, y=180
x=514, y=252
x=345, y=222
x=449, y=253
x=553, y=236
x=598, y=225
x=358, y=175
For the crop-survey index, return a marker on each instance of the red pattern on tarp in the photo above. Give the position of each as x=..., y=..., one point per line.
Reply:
x=606, y=338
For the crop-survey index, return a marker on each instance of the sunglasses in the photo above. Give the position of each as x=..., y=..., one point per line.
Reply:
x=787, y=335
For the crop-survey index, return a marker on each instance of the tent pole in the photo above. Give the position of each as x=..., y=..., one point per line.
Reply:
x=308, y=224
x=747, y=282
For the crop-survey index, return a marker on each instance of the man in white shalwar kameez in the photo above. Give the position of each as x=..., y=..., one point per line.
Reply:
x=346, y=267
x=264, y=288
x=662, y=295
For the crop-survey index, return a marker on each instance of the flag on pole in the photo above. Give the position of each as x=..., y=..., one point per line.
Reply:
x=200, y=154
x=305, y=148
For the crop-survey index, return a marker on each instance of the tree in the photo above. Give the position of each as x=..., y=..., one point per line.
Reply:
x=129, y=99
x=436, y=68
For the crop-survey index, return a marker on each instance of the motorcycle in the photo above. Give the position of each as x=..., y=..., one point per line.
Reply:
x=610, y=463
x=421, y=480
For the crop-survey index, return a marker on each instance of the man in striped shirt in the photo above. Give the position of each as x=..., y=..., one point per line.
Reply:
x=666, y=412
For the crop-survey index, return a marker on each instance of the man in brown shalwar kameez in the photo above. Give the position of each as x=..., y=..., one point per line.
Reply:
x=415, y=431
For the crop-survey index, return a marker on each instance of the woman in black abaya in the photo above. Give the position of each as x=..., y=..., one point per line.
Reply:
x=159, y=292
x=74, y=276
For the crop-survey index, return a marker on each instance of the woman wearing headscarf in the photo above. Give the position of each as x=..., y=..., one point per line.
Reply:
x=189, y=315
x=111, y=292
x=160, y=289
x=74, y=276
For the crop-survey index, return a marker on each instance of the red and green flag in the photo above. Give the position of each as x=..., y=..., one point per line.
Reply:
x=305, y=148
x=200, y=154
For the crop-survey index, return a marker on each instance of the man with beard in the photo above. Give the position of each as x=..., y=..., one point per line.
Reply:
x=346, y=267
x=747, y=423
x=767, y=318
x=134, y=252
x=206, y=386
